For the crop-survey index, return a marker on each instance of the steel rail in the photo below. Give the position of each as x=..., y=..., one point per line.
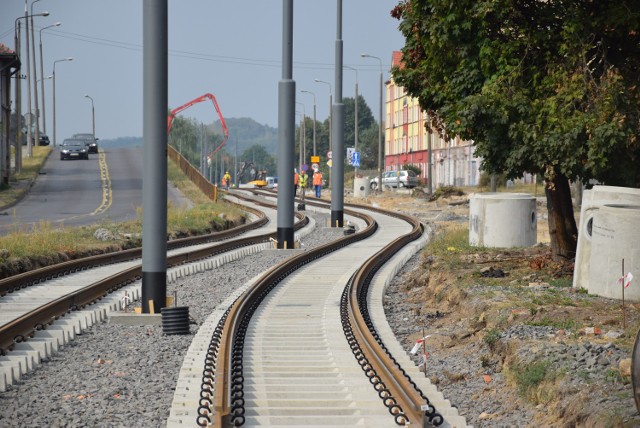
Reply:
x=222, y=390
x=404, y=399
x=26, y=279
x=400, y=394
x=23, y=327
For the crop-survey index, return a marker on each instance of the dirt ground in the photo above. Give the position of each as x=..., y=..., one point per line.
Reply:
x=488, y=308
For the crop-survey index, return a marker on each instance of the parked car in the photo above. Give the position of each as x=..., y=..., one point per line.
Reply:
x=92, y=143
x=403, y=178
x=44, y=140
x=74, y=148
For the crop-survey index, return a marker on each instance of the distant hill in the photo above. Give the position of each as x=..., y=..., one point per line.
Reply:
x=248, y=132
x=245, y=130
x=122, y=142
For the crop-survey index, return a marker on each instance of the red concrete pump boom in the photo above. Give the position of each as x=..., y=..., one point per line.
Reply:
x=204, y=97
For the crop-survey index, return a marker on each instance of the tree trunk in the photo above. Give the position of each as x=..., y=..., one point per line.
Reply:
x=562, y=223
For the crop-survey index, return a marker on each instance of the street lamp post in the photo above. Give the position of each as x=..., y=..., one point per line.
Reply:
x=29, y=121
x=54, y=96
x=314, y=119
x=93, y=117
x=35, y=75
x=18, y=151
x=380, y=124
x=44, y=120
x=330, y=112
x=355, y=138
x=303, y=134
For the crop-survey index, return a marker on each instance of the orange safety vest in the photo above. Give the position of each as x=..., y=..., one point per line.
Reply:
x=317, y=179
x=295, y=179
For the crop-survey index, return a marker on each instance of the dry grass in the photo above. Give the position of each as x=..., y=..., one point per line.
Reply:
x=44, y=241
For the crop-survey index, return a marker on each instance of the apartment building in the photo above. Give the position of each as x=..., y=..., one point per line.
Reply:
x=407, y=142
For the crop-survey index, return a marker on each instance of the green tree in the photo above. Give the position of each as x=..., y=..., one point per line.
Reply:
x=542, y=87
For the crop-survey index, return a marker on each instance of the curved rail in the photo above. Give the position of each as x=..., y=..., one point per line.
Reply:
x=26, y=279
x=222, y=384
x=222, y=380
x=400, y=394
x=23, y=327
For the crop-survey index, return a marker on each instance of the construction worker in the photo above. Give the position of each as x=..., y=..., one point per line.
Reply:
x=302, y=181
x=296, y=180
x=226, y=180
x=317, y=182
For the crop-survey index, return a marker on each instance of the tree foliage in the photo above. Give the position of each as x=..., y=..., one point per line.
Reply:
x=546, y=87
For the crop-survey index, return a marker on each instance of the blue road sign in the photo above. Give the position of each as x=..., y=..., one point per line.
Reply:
x=355, y=159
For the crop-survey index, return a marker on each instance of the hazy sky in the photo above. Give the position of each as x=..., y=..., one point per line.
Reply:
x=232, y=49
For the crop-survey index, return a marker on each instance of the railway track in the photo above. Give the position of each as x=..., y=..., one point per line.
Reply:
x=299, y=346
x=316, y=349
x=66, y=294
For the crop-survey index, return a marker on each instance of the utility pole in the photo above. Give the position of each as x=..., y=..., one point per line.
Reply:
x=337, y=166
x=154, y=181
x=286, y=132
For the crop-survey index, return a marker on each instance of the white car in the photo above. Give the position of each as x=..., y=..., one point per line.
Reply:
x=403, y=178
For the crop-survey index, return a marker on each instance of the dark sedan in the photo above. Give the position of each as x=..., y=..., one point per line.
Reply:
x=74, y=149
x=92, y=143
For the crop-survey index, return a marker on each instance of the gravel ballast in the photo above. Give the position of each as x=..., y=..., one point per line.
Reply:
x=124, y=376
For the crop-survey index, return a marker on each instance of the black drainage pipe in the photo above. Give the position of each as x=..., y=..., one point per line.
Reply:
x=175, y=320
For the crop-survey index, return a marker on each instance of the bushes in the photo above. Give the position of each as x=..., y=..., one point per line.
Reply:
x=447, y=191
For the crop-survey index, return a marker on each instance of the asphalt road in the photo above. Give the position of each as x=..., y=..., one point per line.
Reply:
x=81, y=192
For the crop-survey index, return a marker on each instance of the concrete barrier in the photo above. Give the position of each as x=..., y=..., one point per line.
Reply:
x=592, y=200
x=615, y=237
x=503, y=220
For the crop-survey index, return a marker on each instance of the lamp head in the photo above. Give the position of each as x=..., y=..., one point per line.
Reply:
x=70, y=58
x=44, y=14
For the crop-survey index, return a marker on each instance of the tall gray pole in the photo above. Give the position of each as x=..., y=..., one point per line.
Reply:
x=314, y=125
x=54, y=103
x=380, y=166
x=429, y=161
x=54, y=96
x=235, y=165
x=314, y=119
x=44, y=120
x=355, y=126
x=154, y=180
x=337, y=165
x=29, y=121
x=35, y=76
x=286, y=131
x=18, y=152
x=93, y=117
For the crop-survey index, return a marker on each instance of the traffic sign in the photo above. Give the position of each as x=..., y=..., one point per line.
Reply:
x=350, y=151
x=315, y=166
x=355, y=159
x=329, y=155
x=315, y=159
x=330, y=162
x=304, y=167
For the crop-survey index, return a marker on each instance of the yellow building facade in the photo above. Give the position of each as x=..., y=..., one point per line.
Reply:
x=407, y=142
